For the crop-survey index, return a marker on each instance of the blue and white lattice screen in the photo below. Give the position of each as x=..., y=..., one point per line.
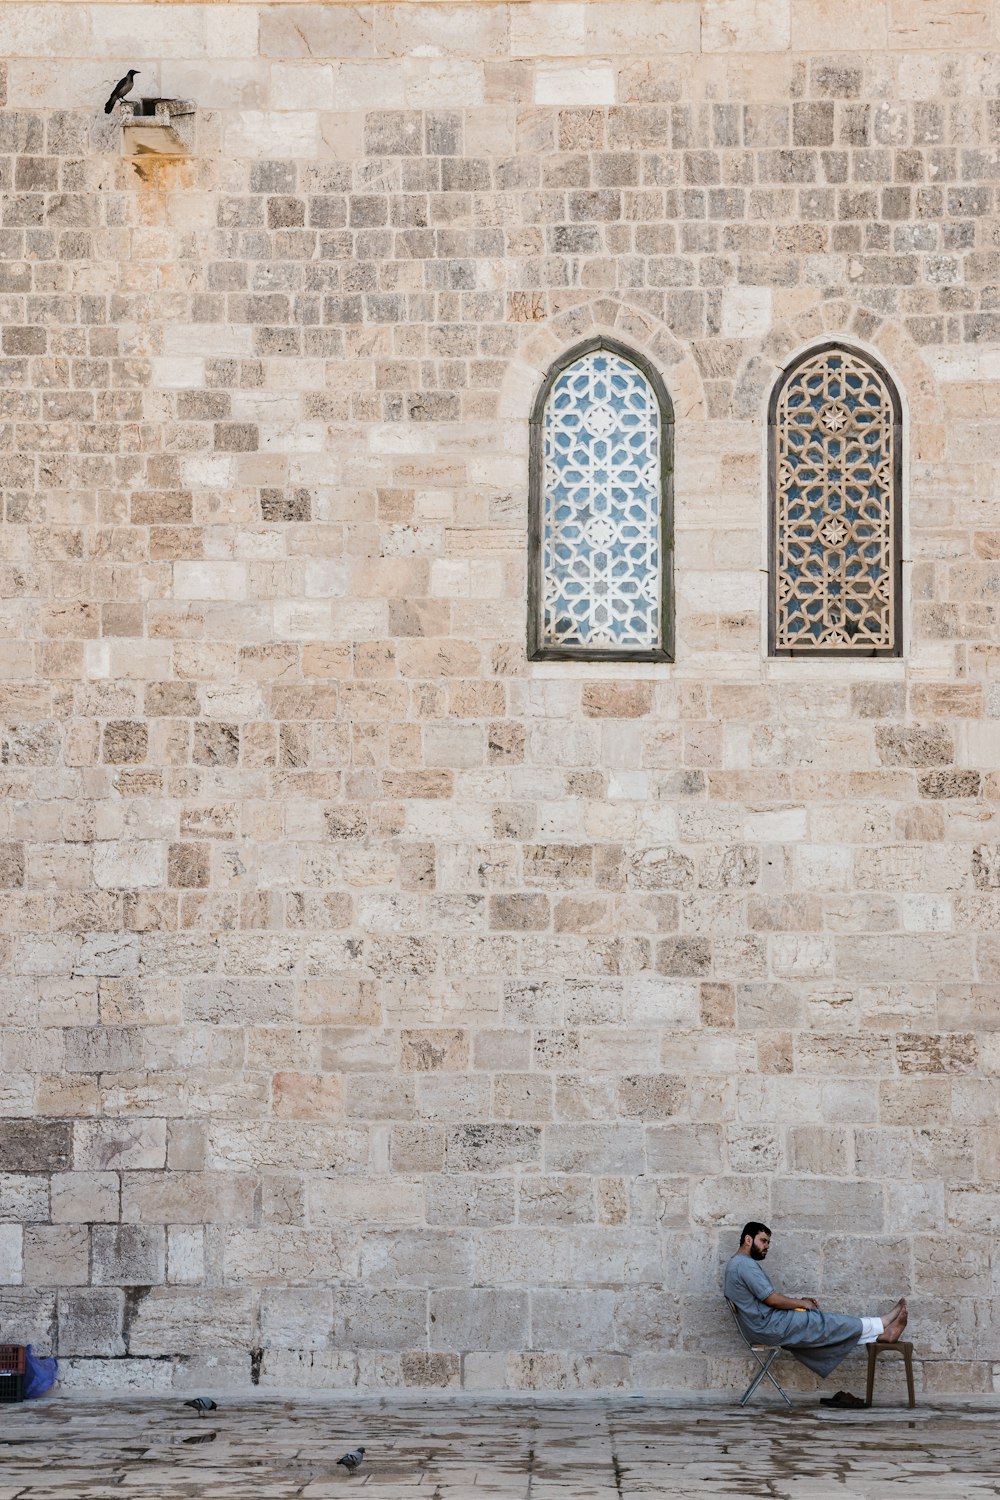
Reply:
x=601, y=545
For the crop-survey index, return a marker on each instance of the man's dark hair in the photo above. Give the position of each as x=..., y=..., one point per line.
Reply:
x=753, y=1229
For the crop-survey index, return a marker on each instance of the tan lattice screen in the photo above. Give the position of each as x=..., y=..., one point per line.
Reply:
x=835, y=542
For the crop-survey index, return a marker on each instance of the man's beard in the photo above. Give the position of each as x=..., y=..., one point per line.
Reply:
x=756, y=1254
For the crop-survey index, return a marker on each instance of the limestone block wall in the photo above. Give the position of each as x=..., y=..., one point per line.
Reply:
x=379, y=1007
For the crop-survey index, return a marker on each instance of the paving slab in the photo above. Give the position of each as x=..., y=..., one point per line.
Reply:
x=68, y=1447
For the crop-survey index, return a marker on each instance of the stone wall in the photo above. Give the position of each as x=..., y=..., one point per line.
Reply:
x=380, y=1007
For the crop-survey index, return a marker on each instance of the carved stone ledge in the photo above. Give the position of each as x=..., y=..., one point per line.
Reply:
x=158, y=127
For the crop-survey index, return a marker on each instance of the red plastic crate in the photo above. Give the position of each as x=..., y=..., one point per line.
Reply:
x=11, y=1372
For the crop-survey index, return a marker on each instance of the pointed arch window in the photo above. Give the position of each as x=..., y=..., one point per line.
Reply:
x=835, y=447
x=601, y=540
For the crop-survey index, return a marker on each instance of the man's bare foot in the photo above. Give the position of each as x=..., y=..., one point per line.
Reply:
x=894, y=1324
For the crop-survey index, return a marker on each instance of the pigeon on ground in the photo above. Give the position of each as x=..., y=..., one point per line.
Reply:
x=121, y=88
x=352, y=1460
x=202, y=1404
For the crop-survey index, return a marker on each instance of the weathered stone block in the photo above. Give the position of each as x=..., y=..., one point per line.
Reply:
x=949, y=784
x=85, y=1197
x=470, y=1200
x=684, y=956
x=128, y=865
x=812, y=123
x=299, y=1318
x=216, y=744
x=937, y=1053
x=440, y=1370
x=380, y=1319
x=323, y=1369
x=307, y=1096
x=265, y=1143
x=250, y=1255
x=911, y=746
x=91, y=1322
x=431, y=1050
x=35, y=1145
x=11, y=866
x=125, y=742
x=617, y=700
x=653, y=1096
x=731, y=868
x=103, y=1049
x=573, y=1319
x=559, y=1199
x=11, y=1255
x=986, y=866
x=152, y=1197
x=23, y=1199
x=416, y=1257
x=917, y=958
x=661, y=869
x=687, y=1149
x=100, y=1145
x=594, y=1148
x=57, y=1255
x=745, y=26
x=815, y=1149
x=476, y=1148
x=29, y=1316
x=188, y=865
x=188, y=1321
x=128, y=1255
x=859, y=1203
x=185, y=1254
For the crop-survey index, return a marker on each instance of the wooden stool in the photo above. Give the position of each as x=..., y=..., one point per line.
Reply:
x=902, y=1347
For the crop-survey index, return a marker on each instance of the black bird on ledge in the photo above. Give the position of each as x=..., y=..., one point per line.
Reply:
x=120, y=89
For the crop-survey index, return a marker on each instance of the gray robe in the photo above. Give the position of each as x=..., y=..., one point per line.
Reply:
x=818, y=1340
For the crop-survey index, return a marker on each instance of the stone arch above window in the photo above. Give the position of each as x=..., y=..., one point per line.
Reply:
x=835, y=564
x=600, y=500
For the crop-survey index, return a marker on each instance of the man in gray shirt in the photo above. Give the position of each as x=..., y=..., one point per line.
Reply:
x=817, y=1339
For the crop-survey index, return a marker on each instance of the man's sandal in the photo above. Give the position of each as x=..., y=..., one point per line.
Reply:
x=843, y=1398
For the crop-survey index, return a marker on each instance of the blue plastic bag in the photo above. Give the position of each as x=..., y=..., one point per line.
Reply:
x=39, y=1374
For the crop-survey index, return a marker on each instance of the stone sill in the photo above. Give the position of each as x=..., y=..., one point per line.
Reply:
x=157, y=127
x=864, y=669
x=732, y=667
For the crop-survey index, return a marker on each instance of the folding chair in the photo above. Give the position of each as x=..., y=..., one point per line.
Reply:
x=765, y=1355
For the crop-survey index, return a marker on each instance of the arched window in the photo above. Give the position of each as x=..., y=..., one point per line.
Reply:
x=601, y=538
x=835, y=431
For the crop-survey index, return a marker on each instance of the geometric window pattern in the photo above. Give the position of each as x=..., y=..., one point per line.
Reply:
x=601, y=541
x=835, y=523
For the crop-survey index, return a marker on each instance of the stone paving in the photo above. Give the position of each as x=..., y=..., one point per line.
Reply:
x=518, y=1449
